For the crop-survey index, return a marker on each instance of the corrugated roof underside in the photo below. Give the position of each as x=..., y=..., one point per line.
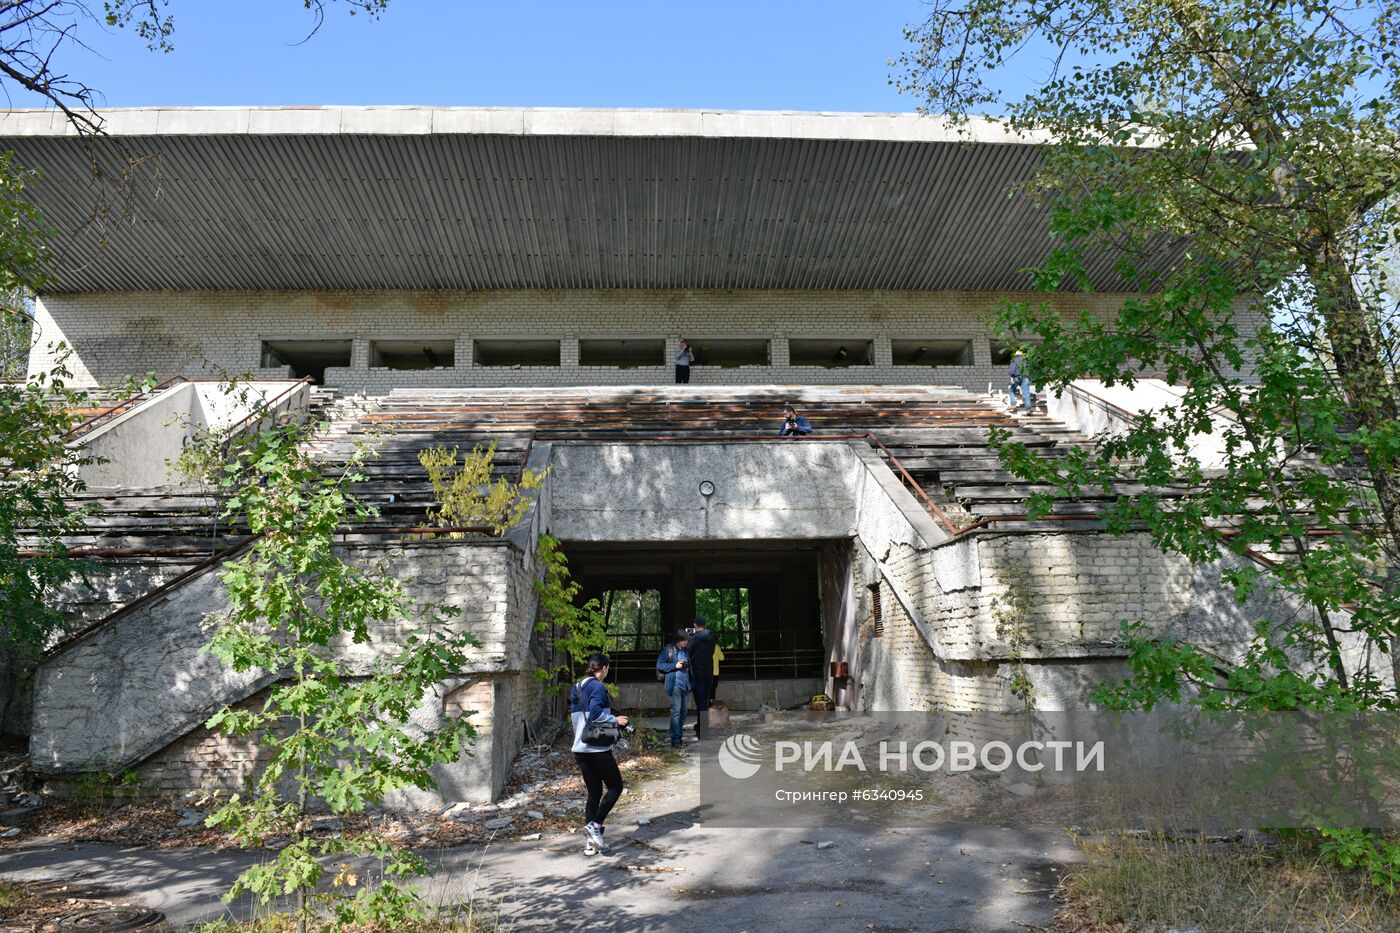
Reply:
x=484, y=211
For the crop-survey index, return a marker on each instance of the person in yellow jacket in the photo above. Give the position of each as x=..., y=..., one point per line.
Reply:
x=714, y=681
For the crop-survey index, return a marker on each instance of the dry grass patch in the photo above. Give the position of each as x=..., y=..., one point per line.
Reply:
x=1155, y=884
x=33, y=905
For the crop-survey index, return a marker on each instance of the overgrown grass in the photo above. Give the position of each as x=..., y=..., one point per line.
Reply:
x=10, y=894
x=1214, y=887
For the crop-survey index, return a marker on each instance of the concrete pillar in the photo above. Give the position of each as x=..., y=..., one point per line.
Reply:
x=682, y=595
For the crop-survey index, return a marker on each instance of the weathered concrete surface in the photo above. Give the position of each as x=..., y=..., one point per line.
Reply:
x=787, y=490
x=133, y=684
x=520, y=121
x=1099, y=409
x=142, y=679
x=944, y=877
x=137, y=449
x=952, y=877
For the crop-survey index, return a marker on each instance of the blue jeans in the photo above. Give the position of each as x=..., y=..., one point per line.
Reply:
x=1024, y=382
x=679, y=700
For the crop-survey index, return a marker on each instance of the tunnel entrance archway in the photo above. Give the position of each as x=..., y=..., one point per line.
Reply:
x=762, y=600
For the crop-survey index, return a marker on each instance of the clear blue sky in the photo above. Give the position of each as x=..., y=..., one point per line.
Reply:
x=759, y=54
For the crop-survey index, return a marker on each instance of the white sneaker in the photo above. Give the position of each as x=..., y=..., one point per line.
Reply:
x=595, y=836
x=589, y=849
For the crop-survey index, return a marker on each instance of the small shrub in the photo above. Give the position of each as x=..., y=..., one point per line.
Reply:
x=466, y=494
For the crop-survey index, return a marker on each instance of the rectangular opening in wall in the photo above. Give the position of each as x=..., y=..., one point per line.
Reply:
x=730, y=352
x=877, y=612
x=306, y=357
x=633, y=619
x=412, y=354
x=625, y=354
x=914, y=352
x=1001, y=350
x=726, y=610
x=831, y=353
x=506, y=352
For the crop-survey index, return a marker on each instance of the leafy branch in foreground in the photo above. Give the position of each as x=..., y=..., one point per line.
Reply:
x=39, y=479
x=1240, y=163
x=337, y=734
x=576, y=631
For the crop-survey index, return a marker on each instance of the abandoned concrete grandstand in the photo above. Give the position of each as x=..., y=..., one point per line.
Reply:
x=424, y=277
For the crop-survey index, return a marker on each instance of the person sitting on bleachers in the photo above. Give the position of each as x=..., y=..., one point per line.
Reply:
x=794, y=425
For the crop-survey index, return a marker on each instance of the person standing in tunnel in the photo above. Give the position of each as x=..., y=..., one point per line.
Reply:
x=673, y=667
x=702, y=665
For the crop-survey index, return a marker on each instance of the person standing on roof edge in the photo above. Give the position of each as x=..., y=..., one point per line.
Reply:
x=673, y=667
x=794, y=425
x=702, y=661
x=684, y=357
x=1021, y=379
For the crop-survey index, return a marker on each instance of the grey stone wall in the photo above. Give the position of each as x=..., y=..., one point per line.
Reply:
x=116, y=582
x=140, y=681
x=942, y=647
x=737, y=692
x=117, y=334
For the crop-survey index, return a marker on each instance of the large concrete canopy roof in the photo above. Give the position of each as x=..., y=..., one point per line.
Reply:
x=430, y=198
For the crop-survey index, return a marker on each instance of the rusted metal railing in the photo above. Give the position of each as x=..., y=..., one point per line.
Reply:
x=123, y=405
x=268, y=409
x=1088, y=396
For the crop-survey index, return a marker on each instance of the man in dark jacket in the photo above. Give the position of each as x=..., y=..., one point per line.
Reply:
x=794, y=425
x=673, y=664
x=702, y=666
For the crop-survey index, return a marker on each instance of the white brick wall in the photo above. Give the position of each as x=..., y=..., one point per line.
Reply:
x=193, y=333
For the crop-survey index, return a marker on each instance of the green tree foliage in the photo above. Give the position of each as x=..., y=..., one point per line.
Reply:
x=727, y=611
x=337, y=734
x=1260, y=144
x=38, y=478
x=467, y=495
x=38, y=466
x=575, y=629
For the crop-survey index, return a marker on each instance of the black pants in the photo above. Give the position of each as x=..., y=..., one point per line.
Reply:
x=599, y=768
x=682, y=374
x=704, y=690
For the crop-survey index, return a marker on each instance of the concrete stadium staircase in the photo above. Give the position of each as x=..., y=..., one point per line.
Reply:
x=938, y=435
x=137, y=642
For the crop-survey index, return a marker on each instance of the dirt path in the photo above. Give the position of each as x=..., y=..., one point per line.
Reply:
x=674, y=873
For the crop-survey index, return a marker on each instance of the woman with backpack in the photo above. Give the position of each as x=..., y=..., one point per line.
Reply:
x=595, y=733
x=673, y=669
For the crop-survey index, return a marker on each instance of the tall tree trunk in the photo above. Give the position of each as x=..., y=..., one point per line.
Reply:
x=1356, y=352
x=1367, y=385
